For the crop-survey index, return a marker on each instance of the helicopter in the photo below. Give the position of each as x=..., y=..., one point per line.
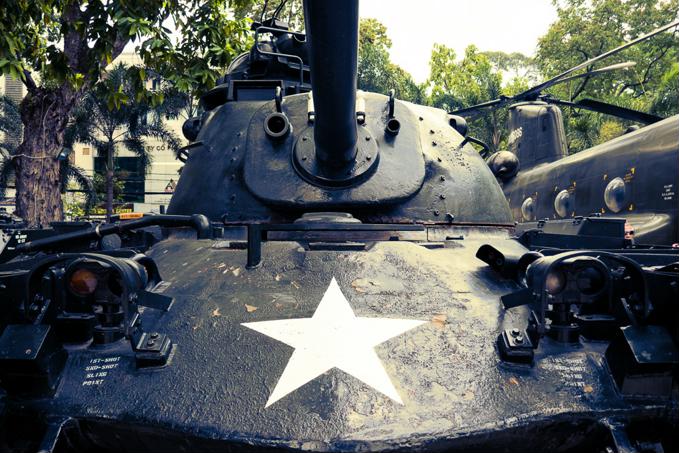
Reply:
x=634, y=176
x=337, y=271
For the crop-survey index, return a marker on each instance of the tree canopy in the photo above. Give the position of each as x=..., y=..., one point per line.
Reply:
x=376, y=72
x=585, y=29
x=455, y=84
x=68, y=44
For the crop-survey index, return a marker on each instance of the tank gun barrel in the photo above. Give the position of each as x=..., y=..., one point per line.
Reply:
x=332, y=30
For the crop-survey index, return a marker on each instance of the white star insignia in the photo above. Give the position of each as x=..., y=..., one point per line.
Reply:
x=333, y=338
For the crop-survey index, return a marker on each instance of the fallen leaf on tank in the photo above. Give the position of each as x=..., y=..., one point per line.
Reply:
x=588, y=388
x=236, y=272
x=295, y=284
x=250, y=308
x=439, y=320
x=216, y=313
x=360, y=284
x=513, y=381
x=277, y=277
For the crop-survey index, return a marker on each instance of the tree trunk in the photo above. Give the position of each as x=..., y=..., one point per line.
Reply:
x=44, y=113
x=109, y=183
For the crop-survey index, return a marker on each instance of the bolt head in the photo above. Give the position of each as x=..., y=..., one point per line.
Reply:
x=518, y=339
x=515, y=332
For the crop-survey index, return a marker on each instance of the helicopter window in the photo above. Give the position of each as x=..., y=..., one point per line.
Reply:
x=563, y=203
x=614, y=195
x=528, y=209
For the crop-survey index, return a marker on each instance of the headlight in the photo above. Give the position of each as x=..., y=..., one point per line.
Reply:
x=590, y=280
x=82, y=282
x=555, y=282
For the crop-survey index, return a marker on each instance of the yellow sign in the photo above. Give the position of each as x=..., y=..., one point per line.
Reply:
x=131, y=215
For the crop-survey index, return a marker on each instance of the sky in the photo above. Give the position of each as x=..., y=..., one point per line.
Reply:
x=415, y=25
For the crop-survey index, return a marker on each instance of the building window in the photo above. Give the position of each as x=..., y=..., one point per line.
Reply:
x=86, y=151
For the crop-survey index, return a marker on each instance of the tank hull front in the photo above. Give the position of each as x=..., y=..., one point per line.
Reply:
x=449, y=387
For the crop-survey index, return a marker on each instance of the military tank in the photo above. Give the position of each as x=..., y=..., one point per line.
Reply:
x=337, y=271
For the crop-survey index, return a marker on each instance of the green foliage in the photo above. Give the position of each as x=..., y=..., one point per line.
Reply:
x=515, y=64
x=74, y=208
x=609, y=130
x=665, y=100
x=457, y=84
x=376, y=72
x=10, y=127
x=205, y=38
x=290, y=11
x=585, y=29
x=99, y=182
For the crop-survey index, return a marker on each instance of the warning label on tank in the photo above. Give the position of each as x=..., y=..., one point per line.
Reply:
x=571, y=372
x=98, y=369
x=668, y=192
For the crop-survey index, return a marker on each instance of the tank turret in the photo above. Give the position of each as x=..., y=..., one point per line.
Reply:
x=265, y=152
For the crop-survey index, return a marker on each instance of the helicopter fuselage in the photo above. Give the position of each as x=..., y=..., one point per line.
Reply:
x=640, y=170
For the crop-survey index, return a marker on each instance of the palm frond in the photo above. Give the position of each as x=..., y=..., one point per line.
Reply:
x=10, y=117
x=78, y=175
x=137, y=146
x=162, y=133
x=81, y=126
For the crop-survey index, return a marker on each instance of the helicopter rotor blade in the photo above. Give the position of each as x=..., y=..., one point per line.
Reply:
x=534, y=92
x=613, y=67
x=476, y=109
x=554, y=80
x=609, y=109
